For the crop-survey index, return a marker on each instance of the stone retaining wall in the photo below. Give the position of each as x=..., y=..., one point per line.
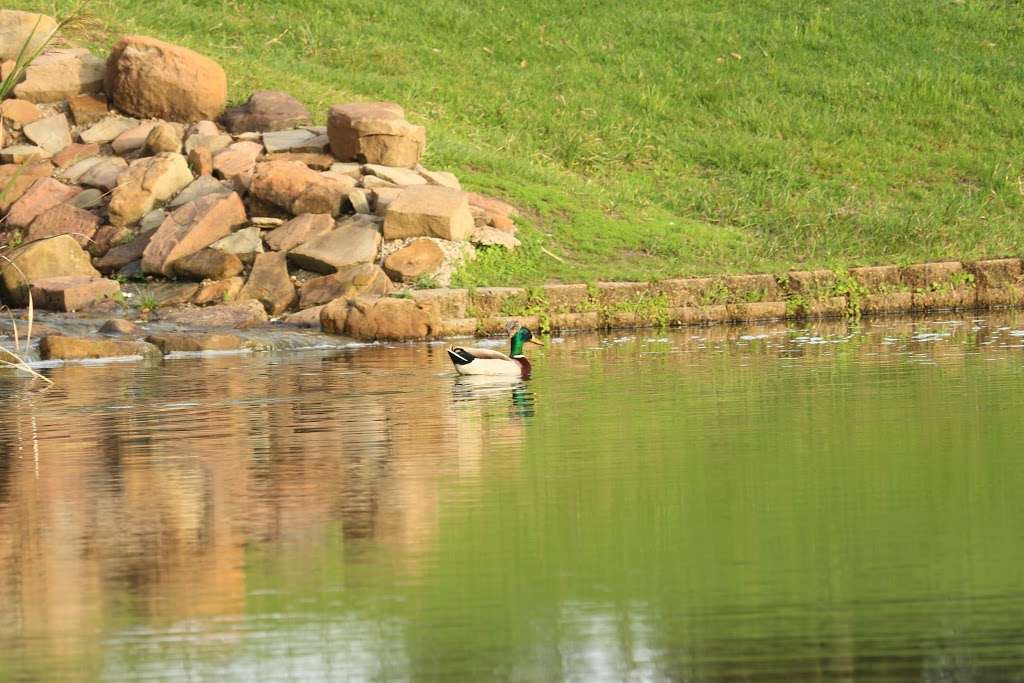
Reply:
x=796, y=295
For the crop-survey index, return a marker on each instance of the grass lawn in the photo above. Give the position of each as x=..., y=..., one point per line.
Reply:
x=665, y=137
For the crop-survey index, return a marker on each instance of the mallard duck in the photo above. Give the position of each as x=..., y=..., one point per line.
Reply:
x=491, y=362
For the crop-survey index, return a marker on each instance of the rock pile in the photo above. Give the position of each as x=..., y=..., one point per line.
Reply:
x=133, y=167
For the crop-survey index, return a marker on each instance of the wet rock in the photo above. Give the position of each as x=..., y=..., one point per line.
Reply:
x=44, y=194
x=244, y=244
x=23, y=154
x=73, y=153
x=333, y=316
x=149, y=78
x=62, y=347
x=269, y=283
x=353, y=241
x=237, y=163
x=60, y=74
x=106, y=130
x=19, y=113
x=374, y=133
x=207, y=264
x=191, y=227
x=118, y=327
x=64, y=219
x=88, y=109
x=17, y=28
x=298, y=230
x=218, y=291
x=442, y=178
x=102, y=172
x=163, y=137
x=133, y=139
x=52, y=133
x=386, y=319
x=121, y=255
x=429, y=210
x=492, y=237
x=266, y=110
x=200, y=187
x=46, y=258
x=308, y=318
x=146, y=182
x=410, y=262
x=365, y=279
x=401, y=177
x=195, y=343
x=71, y=293
x=234, y=315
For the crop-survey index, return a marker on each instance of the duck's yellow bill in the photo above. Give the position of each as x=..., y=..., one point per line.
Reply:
x=534, y=341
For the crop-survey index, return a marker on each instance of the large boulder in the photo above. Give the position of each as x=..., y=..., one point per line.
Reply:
x=266, y=110
x=17, y=27
x=429, y=211
x=54, y=257
x=374, y=133
x=149, y=78
x=298, y=230
x=366, y=279
x=146, y=182
x=191, y=227
x=71, y=292
x=62, y=74
x=269, y=283
x=353, y=241
x=415, y=260
x=381, y=318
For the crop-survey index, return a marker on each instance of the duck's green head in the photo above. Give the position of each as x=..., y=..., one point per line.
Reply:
x=519, y=337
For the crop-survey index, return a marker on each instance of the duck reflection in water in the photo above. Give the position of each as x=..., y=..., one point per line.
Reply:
x=491, y=389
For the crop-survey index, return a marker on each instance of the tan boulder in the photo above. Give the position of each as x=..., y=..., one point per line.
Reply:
x=191, y=227
x=429, y=211
x=218, y=291
x=365, y=279
x=149, y=78
x=269, y=283
x=44, y=194
x=17, y=27
x=71, y=292
x=384, y=318
x=374, y=133
x=163, y=137
x=46, y=258
x=207, y=264
x=414, y=260
x=62, y=347
x=298, y=230
x=146, y=182
x=60, y=74
x=353, y=241
x=295, y=187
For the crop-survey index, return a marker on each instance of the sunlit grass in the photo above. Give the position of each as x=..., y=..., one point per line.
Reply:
x=667, y=138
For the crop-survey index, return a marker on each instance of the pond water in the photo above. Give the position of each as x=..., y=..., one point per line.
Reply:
x=727, y=504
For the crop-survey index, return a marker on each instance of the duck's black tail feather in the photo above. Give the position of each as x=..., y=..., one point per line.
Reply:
x=459, y=356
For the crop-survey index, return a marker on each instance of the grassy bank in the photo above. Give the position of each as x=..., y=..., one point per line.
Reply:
x=674, y=137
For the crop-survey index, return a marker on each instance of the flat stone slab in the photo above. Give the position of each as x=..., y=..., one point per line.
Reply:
x=61, y=347
x=71, y=293
x=354, y=241
x=195, y=343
